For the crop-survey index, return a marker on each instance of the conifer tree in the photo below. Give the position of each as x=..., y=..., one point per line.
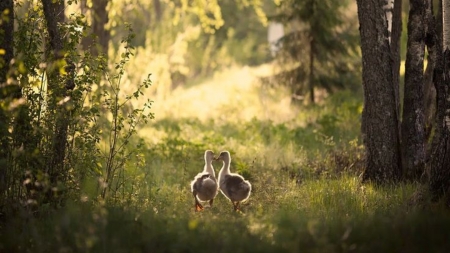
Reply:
x=317, y=49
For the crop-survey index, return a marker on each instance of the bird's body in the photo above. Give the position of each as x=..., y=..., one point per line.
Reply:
x=233, y=186
x=204, y=187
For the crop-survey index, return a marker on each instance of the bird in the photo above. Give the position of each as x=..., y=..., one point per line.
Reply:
x=204, y=187
x=232, y=185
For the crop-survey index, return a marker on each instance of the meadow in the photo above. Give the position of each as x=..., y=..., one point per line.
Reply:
x=304, y=163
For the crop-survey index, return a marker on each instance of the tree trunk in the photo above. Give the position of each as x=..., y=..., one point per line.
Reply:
x=413, y=124
x=388, y=8
x=86, y=41
x=311, y=70
x=396, y=32
x=432, y=42
x=6, y=44
x=440, y=163
x=379, y=118
x=429, y=101
x=99, y=20
x=445, y=24
x=158, y=10
x=6, y=37
x=59, y=88
x=54, y=14
x=429, y=89
x=311, y=55
x=394, y=42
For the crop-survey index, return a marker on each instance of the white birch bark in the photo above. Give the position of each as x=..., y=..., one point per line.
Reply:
x=388, y=10
x=446, y=24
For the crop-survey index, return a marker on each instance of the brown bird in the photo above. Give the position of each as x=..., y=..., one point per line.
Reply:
x=232, y=185
x=204, y=187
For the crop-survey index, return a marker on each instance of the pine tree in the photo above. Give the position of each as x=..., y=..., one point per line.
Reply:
x=318, y=48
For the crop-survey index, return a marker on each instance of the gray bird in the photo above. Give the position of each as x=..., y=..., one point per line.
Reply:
x=232, y=185
x=204, y=187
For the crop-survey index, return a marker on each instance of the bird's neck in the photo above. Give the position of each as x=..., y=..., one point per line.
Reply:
x=209, y=168
x=225, y=168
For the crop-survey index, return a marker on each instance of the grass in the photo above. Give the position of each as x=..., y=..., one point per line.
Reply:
x=303, y=163
x=318, y=215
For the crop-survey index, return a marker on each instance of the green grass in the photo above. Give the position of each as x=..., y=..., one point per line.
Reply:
x=304, y=166
x=318, y=215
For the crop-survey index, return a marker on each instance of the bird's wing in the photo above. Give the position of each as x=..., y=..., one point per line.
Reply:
x=233, y=185
x=196, y=184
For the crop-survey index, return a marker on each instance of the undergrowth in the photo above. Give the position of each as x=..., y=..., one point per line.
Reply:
x=306, y=196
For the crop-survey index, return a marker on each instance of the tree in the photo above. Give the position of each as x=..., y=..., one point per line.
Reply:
x=49, y=137
x=379, y=126
x=6, y=55
x=99, y=18
x=413, y=122
x=6, y=32
x=59, y=90
x=440, y=160
x=318, y=47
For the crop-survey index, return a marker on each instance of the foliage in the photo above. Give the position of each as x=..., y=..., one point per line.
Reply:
x=319, y=48
x=191, y=39
x=96, y=110
x=124, y=121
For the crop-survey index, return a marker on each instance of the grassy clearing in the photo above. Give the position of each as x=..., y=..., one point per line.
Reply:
x=303, y=163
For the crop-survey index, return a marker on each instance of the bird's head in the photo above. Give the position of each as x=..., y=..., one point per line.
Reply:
x=223, y=156
x=209, y=155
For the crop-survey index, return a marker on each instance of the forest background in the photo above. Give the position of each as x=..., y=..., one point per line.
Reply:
x=108, y=106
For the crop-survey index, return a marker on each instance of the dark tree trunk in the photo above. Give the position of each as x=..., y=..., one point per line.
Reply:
x=99, y=20
x=6, y=43
x=311, y=71
x=311, y=56
x=158, y=10
x=396, y=32
x=432, y=43
x=86, y=41
x=379, y=118
x=440, y=160
x=395, y=35
x=429, y=102
x=59, y=88
x=54, y=14
x=440, y=164
x=6, y=37
x=413, y=123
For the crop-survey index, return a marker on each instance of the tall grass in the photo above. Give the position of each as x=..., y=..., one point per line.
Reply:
x=304, y=166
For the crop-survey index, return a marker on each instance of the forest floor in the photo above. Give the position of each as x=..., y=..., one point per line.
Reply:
x=304, y=163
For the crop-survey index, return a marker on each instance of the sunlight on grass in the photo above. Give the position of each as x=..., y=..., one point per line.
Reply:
x=233, y=95
x=303, y=163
